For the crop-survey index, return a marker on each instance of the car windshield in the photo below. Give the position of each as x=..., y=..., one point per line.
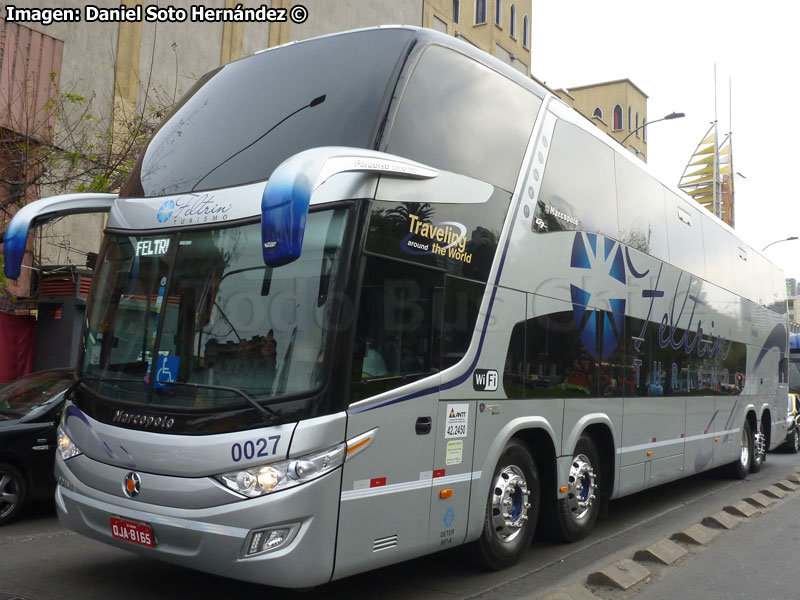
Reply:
x=28, y=393
x=178, y=320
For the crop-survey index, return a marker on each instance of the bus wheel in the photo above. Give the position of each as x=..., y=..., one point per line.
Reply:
x=574, y=516
x=511, y=510
x=759, y=452
x=741, y=467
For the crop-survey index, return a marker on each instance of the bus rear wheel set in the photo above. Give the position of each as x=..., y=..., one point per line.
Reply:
x=515, y=501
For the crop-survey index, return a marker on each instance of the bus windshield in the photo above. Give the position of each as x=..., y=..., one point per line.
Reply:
x=175, y=319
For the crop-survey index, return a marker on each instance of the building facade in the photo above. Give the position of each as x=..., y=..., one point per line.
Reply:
x=617, y=107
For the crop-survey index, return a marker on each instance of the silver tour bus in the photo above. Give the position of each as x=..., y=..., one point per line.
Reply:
x=376, y=294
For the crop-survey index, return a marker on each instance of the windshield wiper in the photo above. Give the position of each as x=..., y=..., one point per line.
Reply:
x=270, y=416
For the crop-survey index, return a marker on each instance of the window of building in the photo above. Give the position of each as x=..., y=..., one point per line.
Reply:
x=644, y=129
x=480, y=12
x=439, y=24
x=498, y=13
x=598, y=113
x=456, y=10
x=630, y=121
x=525, y=40
x=512, y=27
x=617, y=117
x=637, y=125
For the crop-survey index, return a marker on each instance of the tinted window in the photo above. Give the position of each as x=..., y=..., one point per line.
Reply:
x=460, y=238
x=254, y=113
x=462, y=301
x=399, y=318
x=640, y=200
x=578, y=190
x=685, y=232
x=717, y=243
x=459, y=115
x=589, y=352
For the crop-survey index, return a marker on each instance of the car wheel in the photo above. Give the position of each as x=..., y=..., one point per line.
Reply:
x=572, y=518
x=794, y=441
x=12, y=492
x=511, y=510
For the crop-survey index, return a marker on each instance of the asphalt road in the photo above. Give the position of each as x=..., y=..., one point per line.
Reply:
x=40, y=560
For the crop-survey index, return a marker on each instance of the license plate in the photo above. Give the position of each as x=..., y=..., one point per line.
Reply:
x=131, y=531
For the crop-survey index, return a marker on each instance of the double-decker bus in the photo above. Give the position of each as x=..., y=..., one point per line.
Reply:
x=377, y=294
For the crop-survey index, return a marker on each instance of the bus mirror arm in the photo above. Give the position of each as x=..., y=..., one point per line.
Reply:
x=38, y=213
x=287, y=196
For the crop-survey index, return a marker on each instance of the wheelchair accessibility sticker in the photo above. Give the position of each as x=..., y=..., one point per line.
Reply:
x=166, y=371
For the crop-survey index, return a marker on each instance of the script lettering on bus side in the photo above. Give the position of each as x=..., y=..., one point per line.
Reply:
x=693, y=337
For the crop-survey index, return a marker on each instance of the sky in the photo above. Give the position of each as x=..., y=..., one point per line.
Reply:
x=669, y=49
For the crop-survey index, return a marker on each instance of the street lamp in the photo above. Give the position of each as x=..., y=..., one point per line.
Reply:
x=669, y=117
x=789, y=239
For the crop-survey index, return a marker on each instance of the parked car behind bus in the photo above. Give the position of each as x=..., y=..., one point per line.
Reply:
x=30, y=408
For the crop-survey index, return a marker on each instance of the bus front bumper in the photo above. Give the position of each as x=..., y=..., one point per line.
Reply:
x=217, y=539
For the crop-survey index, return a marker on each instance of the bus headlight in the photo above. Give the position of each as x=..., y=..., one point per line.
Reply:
x=66, y=448
x=260, y=480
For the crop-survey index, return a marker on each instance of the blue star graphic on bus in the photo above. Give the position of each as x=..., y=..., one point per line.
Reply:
x=590, y=321
x=449, y=517
x=165, y=212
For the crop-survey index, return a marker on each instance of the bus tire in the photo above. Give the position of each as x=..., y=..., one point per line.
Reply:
x=573, y=517
x=741, y=468
x=512, y=509
x=759, y=452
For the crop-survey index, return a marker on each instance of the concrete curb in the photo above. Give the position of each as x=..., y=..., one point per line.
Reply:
x=774, y=492
x=759, y=500
x=627, y=573
x=742, y=509
x=622, y=575
x=664, y=552
x=721, y=520
x=787, y=485
x=699, y=535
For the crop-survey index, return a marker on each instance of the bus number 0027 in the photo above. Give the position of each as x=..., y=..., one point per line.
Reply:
x=255, y=448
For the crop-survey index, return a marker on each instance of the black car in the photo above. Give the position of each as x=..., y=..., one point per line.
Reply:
x=30, y=409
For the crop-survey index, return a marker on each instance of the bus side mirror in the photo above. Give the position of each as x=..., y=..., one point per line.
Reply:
x=287, y=197
x=39, y=212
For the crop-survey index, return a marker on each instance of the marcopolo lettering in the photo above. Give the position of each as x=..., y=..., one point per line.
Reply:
x=146, y=421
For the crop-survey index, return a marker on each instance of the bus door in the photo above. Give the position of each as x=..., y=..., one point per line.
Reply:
x=394, y=390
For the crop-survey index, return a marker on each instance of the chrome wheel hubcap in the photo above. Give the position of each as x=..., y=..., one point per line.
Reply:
x=581, y=487
x=744, y=458
x=510, y=503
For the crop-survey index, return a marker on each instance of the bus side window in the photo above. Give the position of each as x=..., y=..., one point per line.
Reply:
x=462, y=302
x=399, y=318
x=578, y=187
